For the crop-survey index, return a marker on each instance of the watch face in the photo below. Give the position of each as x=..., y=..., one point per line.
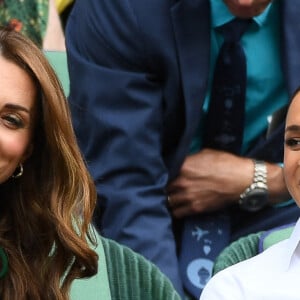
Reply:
x=255, y=200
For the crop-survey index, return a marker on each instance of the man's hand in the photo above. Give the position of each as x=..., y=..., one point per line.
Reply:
x=211, y=180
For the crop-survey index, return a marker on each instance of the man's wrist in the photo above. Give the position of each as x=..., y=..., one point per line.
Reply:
x=255, y=196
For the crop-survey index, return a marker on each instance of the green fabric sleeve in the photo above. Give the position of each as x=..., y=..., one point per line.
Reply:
x=237, y=251
x=96, y=287
x=248, y=246
x=132, y=277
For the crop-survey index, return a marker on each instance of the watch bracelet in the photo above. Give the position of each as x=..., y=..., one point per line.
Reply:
x=259, y=177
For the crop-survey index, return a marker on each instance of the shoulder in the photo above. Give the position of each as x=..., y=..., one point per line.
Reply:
x=247, y=275
x=137, y=15
x=122, y=33
x=267, y=261
x=122, y=274
x=129, y=10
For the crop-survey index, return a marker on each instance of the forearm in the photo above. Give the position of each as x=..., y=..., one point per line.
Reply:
x=211, y=180
x=277, y=191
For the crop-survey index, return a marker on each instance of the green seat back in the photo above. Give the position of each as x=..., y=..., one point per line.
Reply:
x=58, y=60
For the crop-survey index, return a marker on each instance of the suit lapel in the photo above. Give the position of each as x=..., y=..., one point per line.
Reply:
x=191, y=23
x=291, y=44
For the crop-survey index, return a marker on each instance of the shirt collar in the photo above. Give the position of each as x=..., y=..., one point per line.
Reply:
x=220, y=14
x=292, y=245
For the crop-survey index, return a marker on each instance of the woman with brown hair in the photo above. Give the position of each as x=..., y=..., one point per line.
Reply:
x=47, y=205
x=47, y=196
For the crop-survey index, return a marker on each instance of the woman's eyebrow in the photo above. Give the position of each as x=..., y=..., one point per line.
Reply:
x=293, y=128
x=17, y=107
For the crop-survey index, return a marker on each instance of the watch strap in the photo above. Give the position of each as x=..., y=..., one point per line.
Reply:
x=259, y=178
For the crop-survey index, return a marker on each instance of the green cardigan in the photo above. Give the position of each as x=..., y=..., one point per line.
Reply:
x=123, y=274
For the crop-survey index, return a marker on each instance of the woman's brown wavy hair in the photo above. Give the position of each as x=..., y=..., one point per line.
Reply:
x=45, y=214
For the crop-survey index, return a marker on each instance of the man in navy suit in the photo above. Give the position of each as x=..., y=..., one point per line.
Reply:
x=141, y=73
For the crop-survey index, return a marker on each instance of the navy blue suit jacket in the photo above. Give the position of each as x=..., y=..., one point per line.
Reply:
x=139, y=72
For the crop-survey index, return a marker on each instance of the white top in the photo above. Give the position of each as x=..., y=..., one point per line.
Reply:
x=272, y=275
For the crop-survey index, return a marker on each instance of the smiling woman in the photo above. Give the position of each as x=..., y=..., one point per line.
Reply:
x=292, y=149
x=44, y=206
x=47, y=242
x=274, y=273
x=17, y=103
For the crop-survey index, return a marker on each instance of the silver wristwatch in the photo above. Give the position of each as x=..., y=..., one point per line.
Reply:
x=255, y=197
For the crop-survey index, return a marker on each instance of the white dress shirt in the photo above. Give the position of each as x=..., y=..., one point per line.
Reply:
x=272, y=275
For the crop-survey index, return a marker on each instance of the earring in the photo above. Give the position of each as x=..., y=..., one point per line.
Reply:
x=18, y=172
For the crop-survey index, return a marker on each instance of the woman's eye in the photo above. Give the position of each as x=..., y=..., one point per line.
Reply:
x=293, y=142
x=13, y=121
